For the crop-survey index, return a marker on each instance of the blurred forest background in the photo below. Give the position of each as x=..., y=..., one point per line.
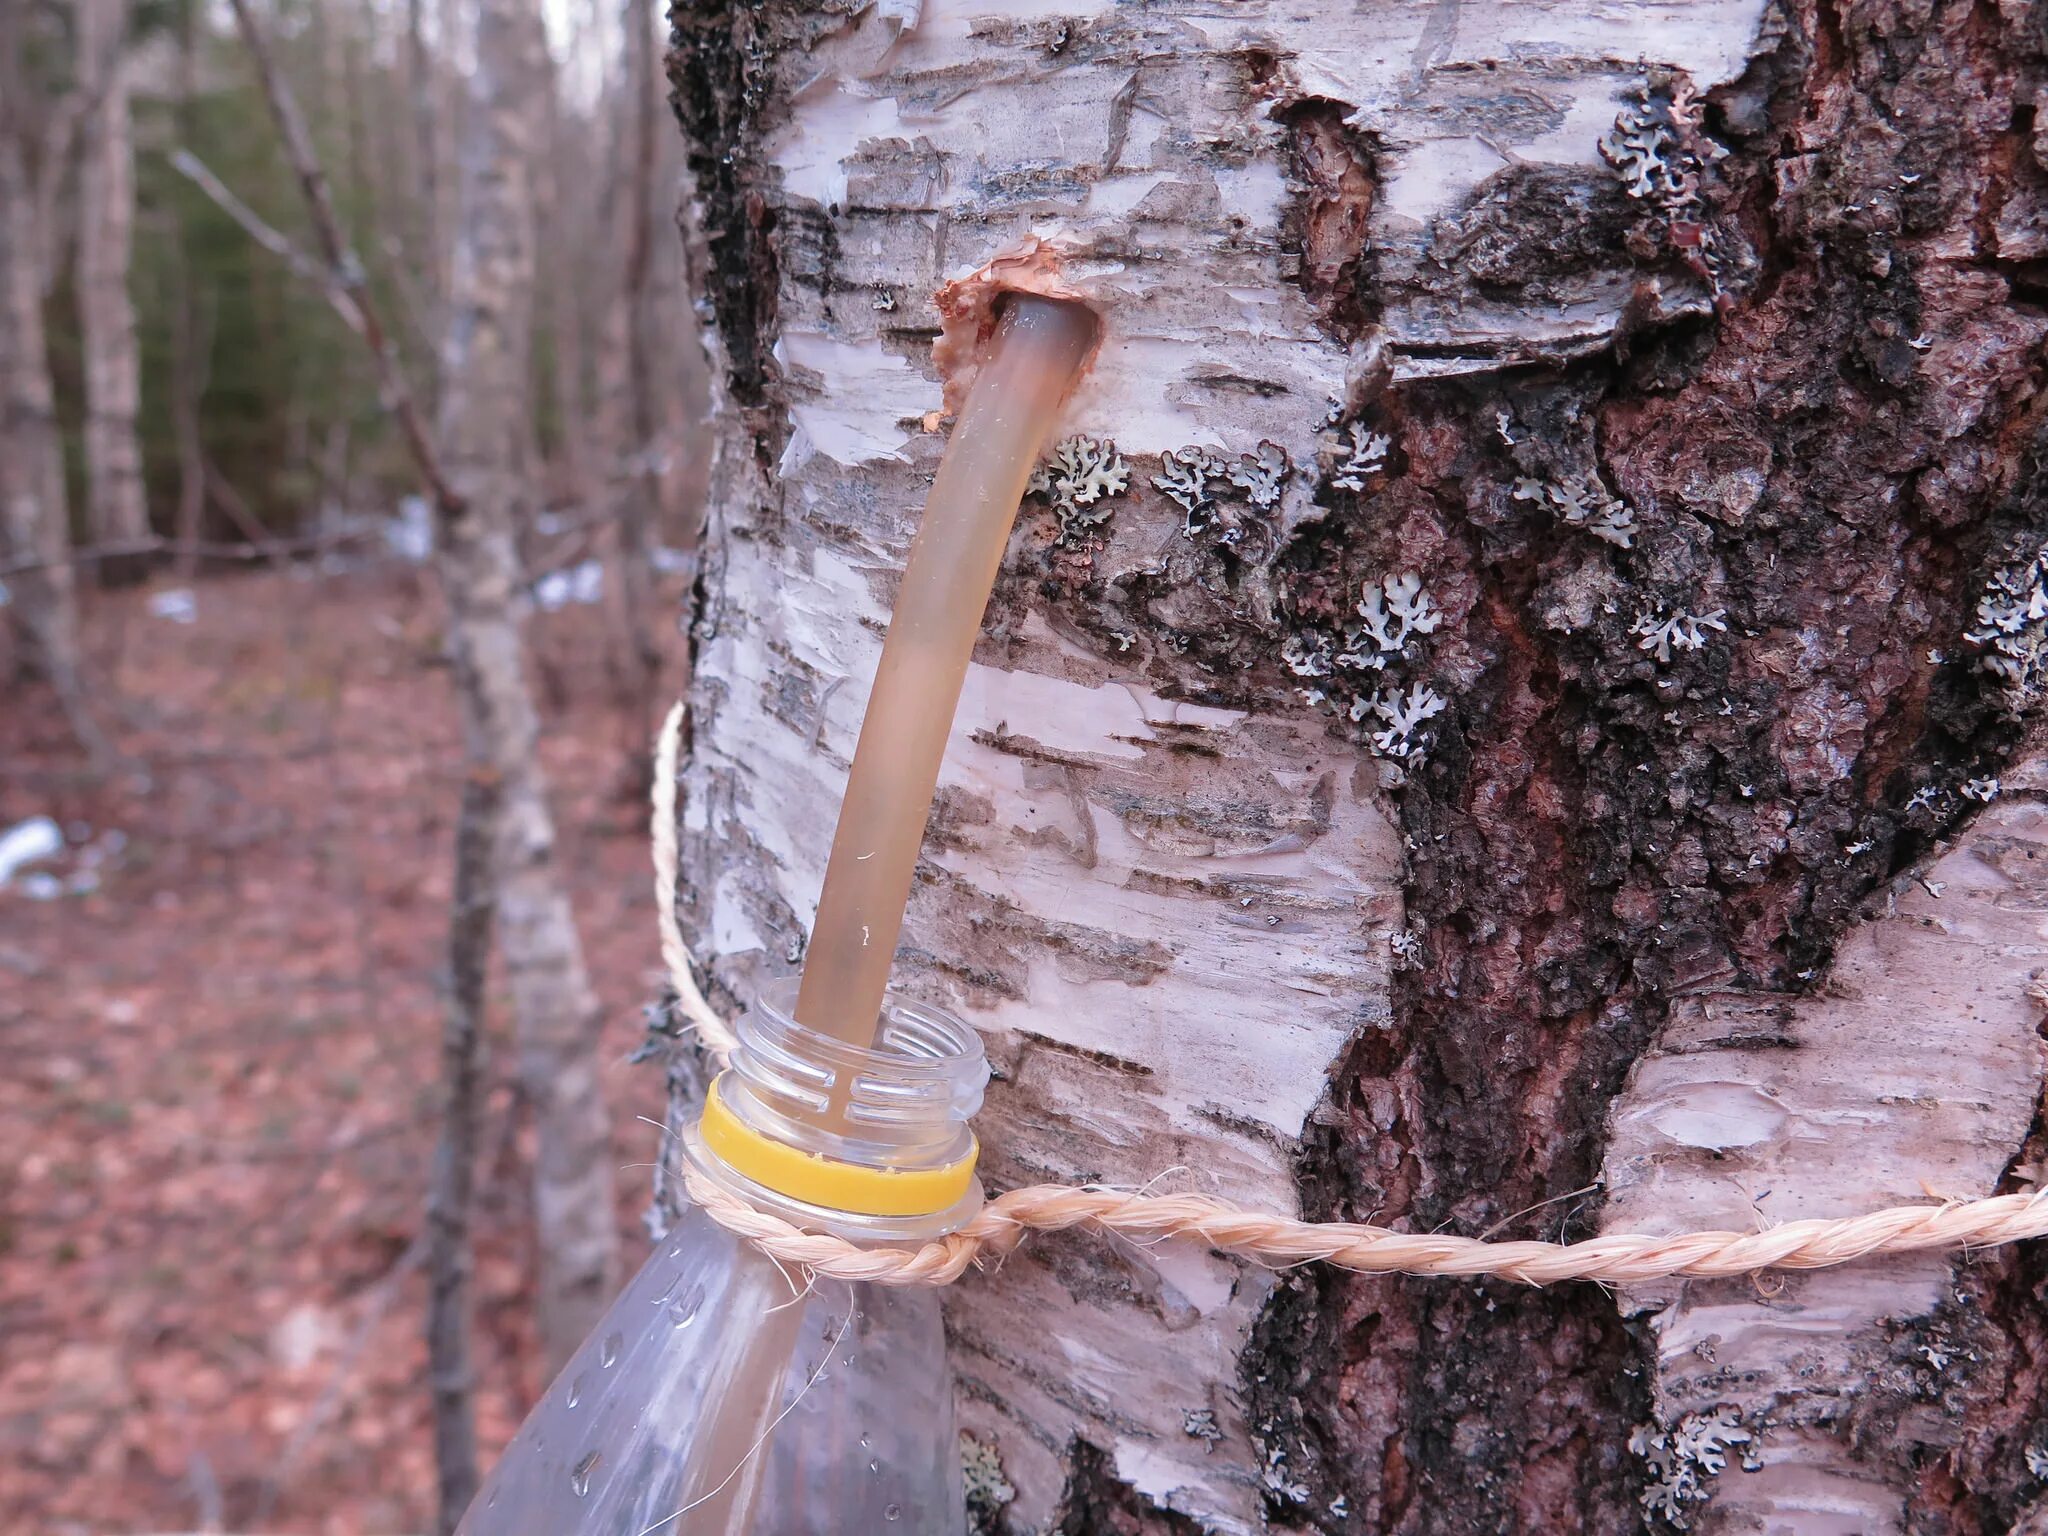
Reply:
x=258, y=413
x=351, y=461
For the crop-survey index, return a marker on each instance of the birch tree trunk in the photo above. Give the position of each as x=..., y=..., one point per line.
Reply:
x=33, y=475
x=484, y=442
x=116, y=509
x=1687, y=359
x=35, y=535
x=423, y=74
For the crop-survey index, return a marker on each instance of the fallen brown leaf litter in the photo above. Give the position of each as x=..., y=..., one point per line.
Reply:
x=221, y=1040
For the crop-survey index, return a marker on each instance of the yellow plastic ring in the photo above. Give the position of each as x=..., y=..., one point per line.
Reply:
x=827, y=1182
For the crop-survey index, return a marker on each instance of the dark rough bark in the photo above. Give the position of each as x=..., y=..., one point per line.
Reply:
x=1835, y=455
x=1998, y=1407
x=1836, y=461
x=717, y=72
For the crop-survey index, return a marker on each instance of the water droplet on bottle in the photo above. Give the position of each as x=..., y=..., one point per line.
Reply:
x=492, y=1501
x=866, y=1440
x=579, y=1475
x=608, y=1352
x=576, y=1391
x=669, y=1290
x=683, y=1311
x=875, y=1467
x=893, y=1512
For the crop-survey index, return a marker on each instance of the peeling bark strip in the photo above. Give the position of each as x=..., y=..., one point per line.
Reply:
x=1706, y=383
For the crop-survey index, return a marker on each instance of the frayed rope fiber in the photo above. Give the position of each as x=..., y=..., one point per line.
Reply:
x=1277, y=1241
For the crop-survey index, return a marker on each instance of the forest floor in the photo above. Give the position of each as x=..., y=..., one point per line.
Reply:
x=220, y=1029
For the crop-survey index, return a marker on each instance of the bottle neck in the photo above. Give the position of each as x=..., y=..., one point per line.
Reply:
x=868, y=1143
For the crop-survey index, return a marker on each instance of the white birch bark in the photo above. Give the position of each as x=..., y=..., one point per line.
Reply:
x=1170, y=920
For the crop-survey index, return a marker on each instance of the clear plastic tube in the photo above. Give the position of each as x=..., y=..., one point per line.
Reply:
x=1038, y=348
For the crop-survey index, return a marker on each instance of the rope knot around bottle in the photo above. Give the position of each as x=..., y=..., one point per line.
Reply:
x=1617, y=1258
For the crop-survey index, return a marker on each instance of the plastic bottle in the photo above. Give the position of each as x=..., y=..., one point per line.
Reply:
x=714, y=1400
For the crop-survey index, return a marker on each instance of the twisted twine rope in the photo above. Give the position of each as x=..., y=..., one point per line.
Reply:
x=1278, y=1241
x=716, y=1034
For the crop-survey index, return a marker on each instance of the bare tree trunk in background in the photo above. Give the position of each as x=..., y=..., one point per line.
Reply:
x=424, y=79
x=30, y=469
x=34, y=520
x=447, y=123
x=672, y=359
x=645, y=342
x=561, y=175
x=190, y=342
x=626, y=354
x=426, y=233
x=191, y=337
x=116, y=509
x=1705, y=342
x=484, y=437
x=365, y=187
x=450, y=1190
x=472, y=468
x=347, y=285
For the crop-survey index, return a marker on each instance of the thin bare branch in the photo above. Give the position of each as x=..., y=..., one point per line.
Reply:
x=195, y=170
x=222, y=493
x=395, y=392
x=205, y=549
